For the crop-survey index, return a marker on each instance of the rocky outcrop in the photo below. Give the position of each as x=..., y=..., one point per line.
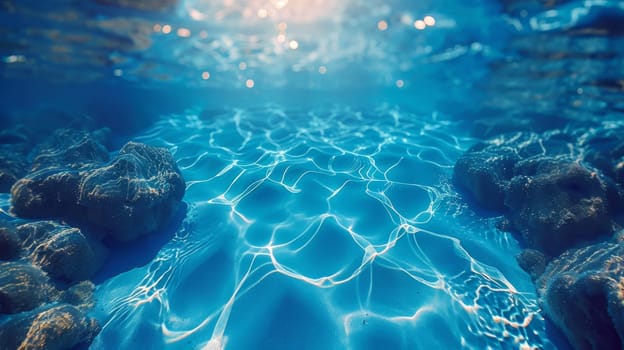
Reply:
x=550, y=198
x=45, y=266
x=44, y=294
x=58, y=327
x=583, y=293
x=135, y=194
x=556, y=204
x=64, y=252
x=23, y=287
x=561, y=195
x=9, y=243
x=70, y=149
x=483, y=173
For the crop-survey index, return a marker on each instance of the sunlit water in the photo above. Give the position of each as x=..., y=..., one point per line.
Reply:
x=328, y=228
x=317, y=140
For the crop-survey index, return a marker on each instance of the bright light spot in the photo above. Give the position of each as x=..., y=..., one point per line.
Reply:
x=429, y=20
x=157, y=28
x=118, y=72
x=262, y=13
x=293, y=44
x=281, y=38
x=420, y=25
x=280, y=3
x=400, y=83
x=322, y=69
x=215, y=344
x=184, y=32
x=206, y=75
x=250, y=83
x=14, y=59
x=196, y=15
x=282, y=26
x=382, y=25
x=476, y=46
x=166, y=29
x=242, y=66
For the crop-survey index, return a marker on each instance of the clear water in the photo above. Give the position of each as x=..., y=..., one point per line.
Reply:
x=317, y=139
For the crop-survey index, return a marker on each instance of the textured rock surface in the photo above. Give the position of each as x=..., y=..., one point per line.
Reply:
x=552, y=200
x=45, y=265
x=63, y=252
x=68, y=148
x=606, y=152
x=23, y=287
x=45, y=194
x=59, y=327
x=484, y=173
x=135, y=194
x=556, y=204
x=71, y=178
x=533, y=262
x=583, y=293
x=9, y=243
x=559, y=193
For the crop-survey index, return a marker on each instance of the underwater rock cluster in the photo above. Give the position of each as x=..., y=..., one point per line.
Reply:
x=134, y=194
x=70, y=196
x=44, y=294
x=561, y=194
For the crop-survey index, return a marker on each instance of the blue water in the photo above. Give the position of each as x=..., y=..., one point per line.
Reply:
x=320, y=211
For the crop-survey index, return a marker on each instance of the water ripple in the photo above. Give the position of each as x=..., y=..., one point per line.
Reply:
x=308, y=230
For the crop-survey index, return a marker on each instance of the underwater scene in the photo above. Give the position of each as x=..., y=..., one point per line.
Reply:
x=311, y=174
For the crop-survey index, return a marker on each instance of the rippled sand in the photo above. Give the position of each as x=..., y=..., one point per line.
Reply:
x=329, y=228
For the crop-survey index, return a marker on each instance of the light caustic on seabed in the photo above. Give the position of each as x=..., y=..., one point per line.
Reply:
x=337, y=207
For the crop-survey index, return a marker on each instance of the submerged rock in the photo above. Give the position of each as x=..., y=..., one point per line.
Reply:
x=9, y=243
x=551, y=200
x=605, y=151
x=533, y=262
x=483, y=173
x=59, y=327
x=555, y=204
x=23, y=287
x=47, y=193
x=44, y=265
x=79, y=295
x=135, y=194
x=62, y=251
x=583, y=293
x=559, y=193
x=69, y=148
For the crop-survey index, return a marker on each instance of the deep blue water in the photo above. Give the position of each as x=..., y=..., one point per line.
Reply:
x=320, y=210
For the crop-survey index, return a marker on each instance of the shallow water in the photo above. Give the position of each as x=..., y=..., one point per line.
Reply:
x=316, y=229
x=318, y=156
